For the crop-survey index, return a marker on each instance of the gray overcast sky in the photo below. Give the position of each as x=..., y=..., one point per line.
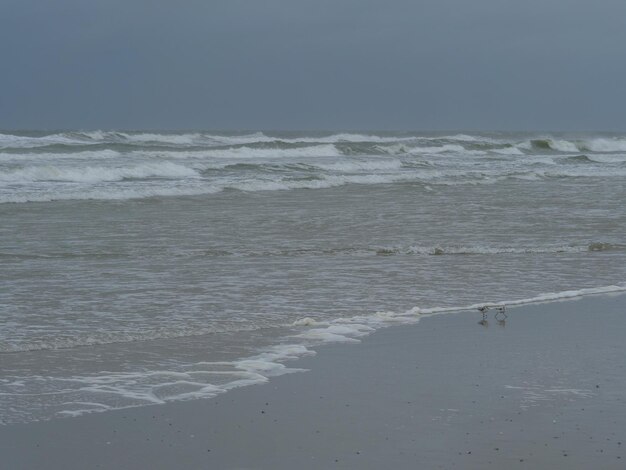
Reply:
x=294, y=64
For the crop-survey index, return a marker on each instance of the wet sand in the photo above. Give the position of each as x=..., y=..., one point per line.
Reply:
x=545, y=390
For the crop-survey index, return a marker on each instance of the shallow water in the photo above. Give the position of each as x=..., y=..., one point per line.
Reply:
x=139, y=268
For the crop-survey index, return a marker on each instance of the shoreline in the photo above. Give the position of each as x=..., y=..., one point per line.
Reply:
x=546, y=390
x=258, y=366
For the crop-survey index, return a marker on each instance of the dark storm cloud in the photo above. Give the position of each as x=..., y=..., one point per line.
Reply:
x=274, y=64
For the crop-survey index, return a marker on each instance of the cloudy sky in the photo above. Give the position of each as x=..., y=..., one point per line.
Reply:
x=323, y=64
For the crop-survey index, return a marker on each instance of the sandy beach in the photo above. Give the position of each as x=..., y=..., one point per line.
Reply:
x=545, y=390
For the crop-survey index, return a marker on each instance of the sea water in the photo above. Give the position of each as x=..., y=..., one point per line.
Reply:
x=140, y=268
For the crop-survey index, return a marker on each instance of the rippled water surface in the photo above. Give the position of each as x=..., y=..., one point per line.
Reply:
x=139, y=268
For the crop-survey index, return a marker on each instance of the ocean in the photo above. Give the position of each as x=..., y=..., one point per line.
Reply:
x=140, y=268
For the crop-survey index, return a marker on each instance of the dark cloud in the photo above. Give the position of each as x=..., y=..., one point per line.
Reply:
x=278, y=64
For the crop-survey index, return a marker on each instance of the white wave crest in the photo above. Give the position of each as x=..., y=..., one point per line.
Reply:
x=110, y=194
x=507, y=151
x=563, y=145
x=448, y=148
x=19, y=141
x=462, y=138
x=327, y=150
x=244, y=153
x=96, y=174
x=607, y=158
x=605, y=145
x=178, y=139
x=187, y=139
x=195, y=183
x=47, y=156
x=578, y=145
x=259, y=137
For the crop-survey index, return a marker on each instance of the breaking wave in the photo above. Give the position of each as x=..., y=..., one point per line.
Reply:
x=500, y=143
x=104, y=165
x=581, y=145
x=245, y=152
x=180, y=139
x=168, y=179
x=97, y=174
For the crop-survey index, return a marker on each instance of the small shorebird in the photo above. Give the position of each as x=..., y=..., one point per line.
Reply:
x=500, y=315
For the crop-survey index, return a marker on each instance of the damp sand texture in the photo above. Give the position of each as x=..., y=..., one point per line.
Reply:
x=543, y=391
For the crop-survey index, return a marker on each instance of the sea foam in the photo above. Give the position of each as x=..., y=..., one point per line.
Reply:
x=82, y=394
x=96, y=174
